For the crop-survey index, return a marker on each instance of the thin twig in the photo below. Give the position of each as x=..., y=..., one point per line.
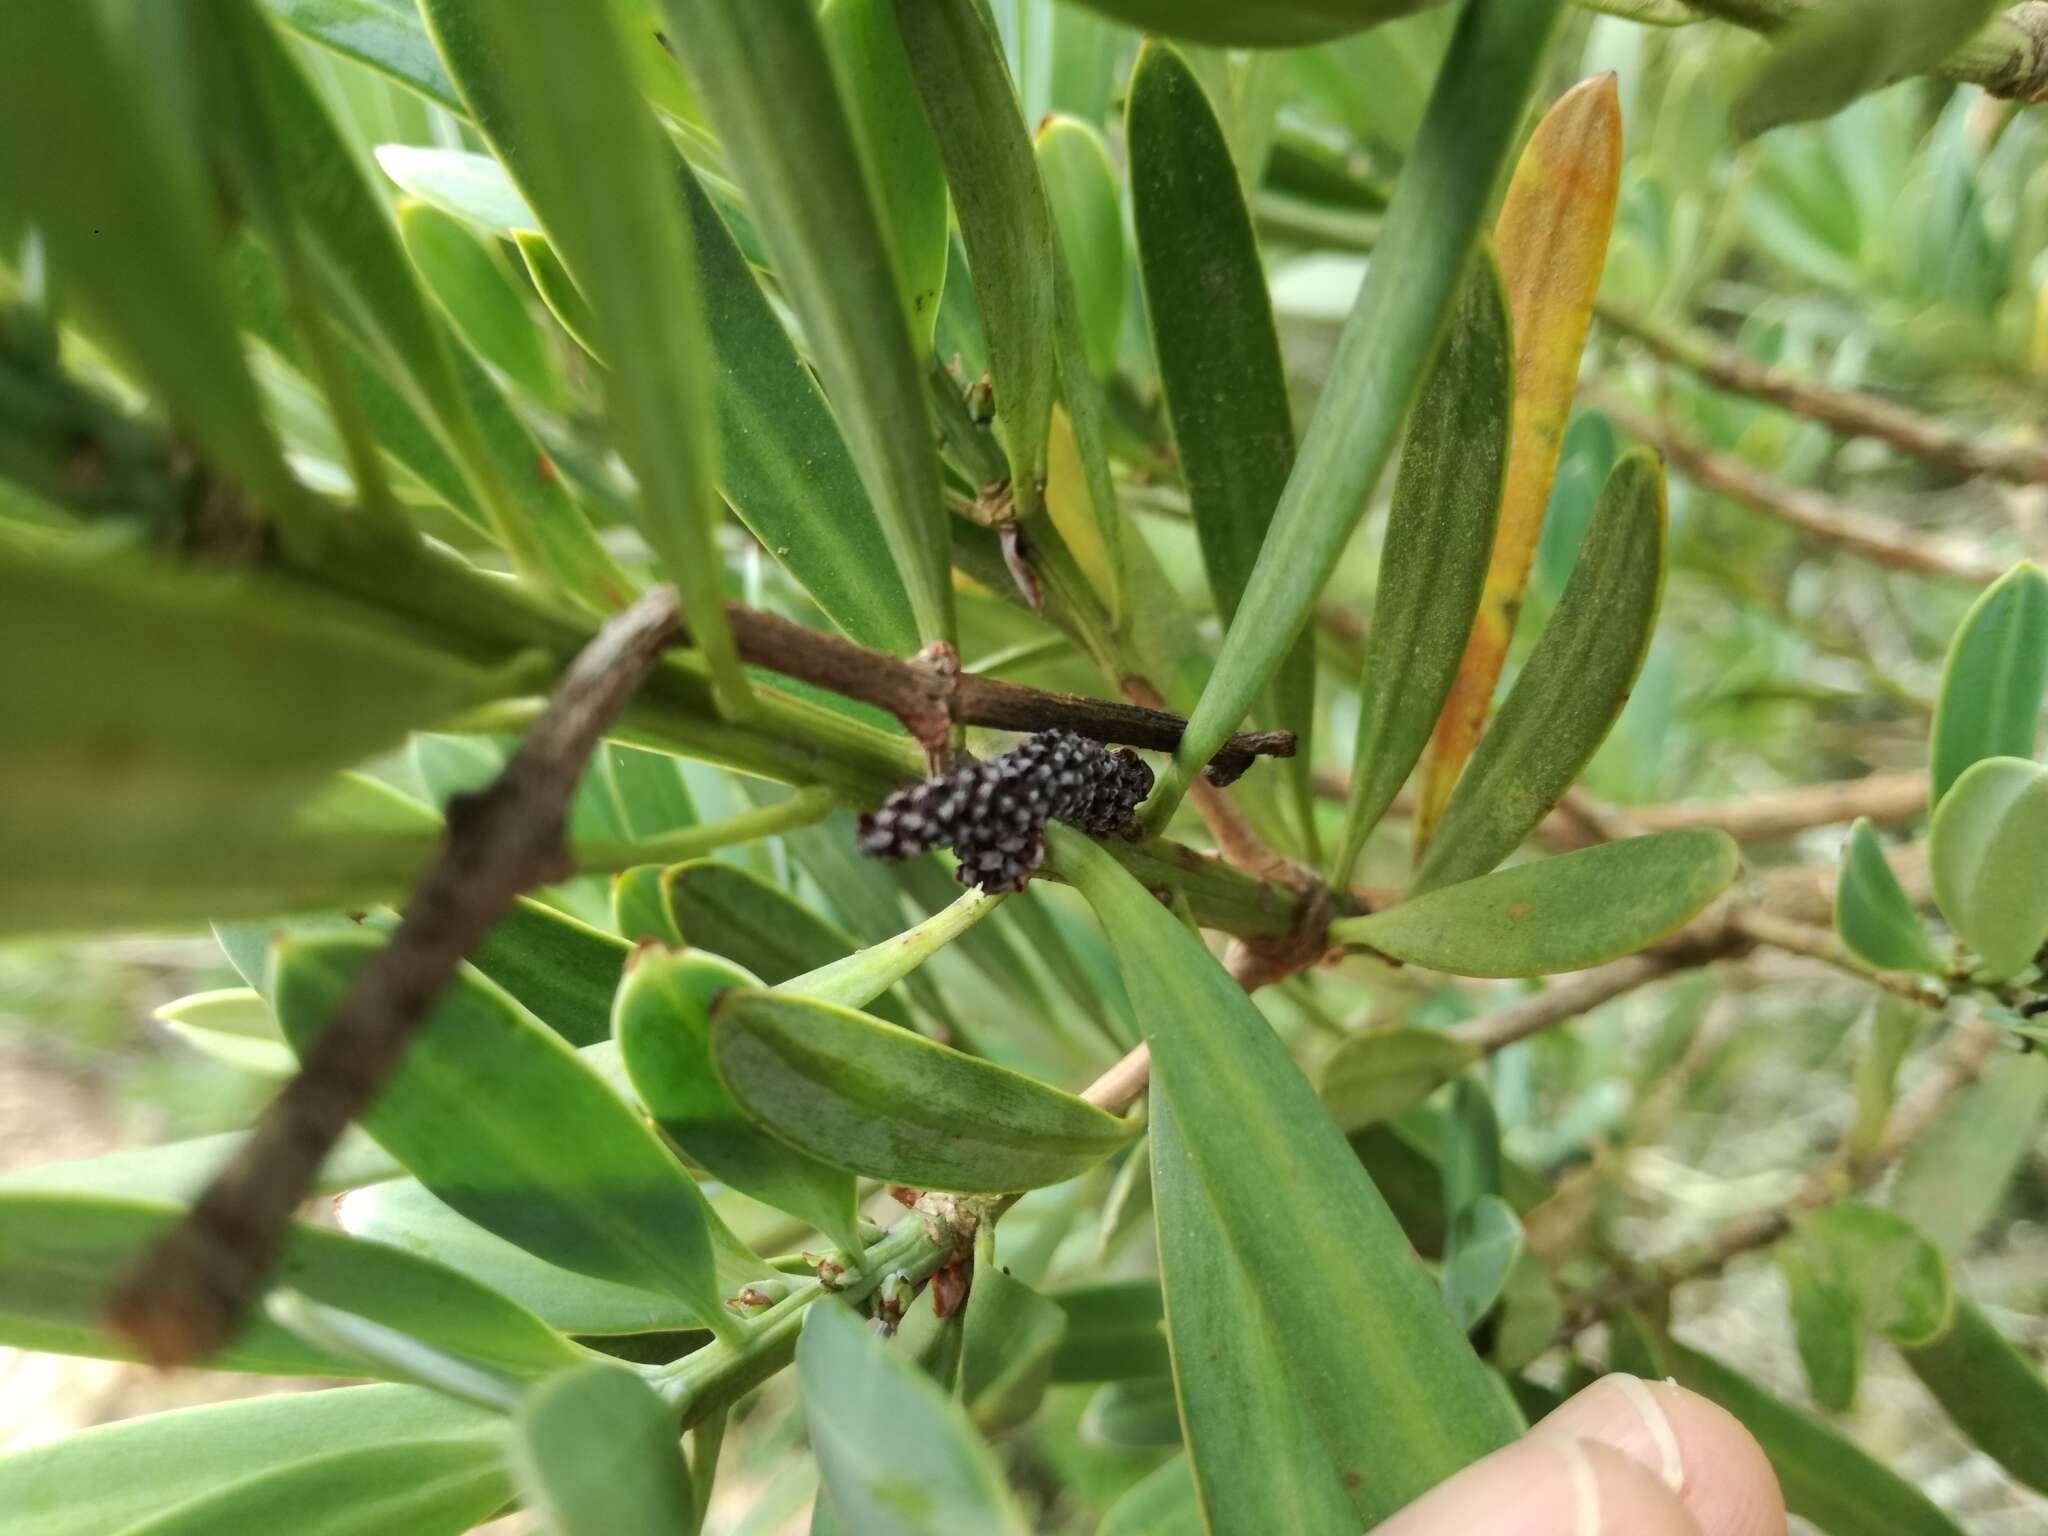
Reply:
x=1843, y=411
x=1818, y=516
x=190, y=1292
x=2008, y=56
x=1841, y=1174
x=1118, y=1088
x=930, y=694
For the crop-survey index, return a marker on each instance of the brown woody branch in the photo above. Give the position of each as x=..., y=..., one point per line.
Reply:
x=1818, y=516
x=1843, y=411
x=189, y=1294
x=930, y=695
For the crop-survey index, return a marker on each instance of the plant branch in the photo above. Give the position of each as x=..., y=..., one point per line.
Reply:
x=2008, y=56
x=1841, y=1174
x=930, y=694
x=1843, y=411
x=192, y=1289
x=1819, y=517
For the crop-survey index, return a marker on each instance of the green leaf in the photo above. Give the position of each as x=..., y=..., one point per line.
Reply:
x=1985, y=850
x=1994, y=1394
x=179, y=1170
x=553, y=91
x=768, y=85
x=1826, y=58
x=1897, y=1279
x=1080, y=187
x=1418, y=268
x=1162, y=1503
x=1570, y=690
x=110, y=1478
x=1003, y=215
x=1825, y=1329
x=471, y=187
x=427, y=1487
x=495, y=1114
x=897, y=148
x=1377, y=1073
x=1007, y=1349
x=561, y=971
x=1873, y=915
x=1995, y=679
x=1953, y=1179
x=760, y=927
x=405, y=1215
x=1220, y=370
x=1141, y=1414
x=898, y=1457
x=1271, y=24
x=663, y=1025
x=1307, y=1407
x=1482, y=1246
x=1825, y=1478
x=1115, y=1329
x=130, y=231
x=1557, y=914
x=1439, y=545
x=1469, y=1148
x=232, y=1027
x=599, y=1455
x=384, y=34
x=61, y=1255
x=471, y=283
x=861, y=1095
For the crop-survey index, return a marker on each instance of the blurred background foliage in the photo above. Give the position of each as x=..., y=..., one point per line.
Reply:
x=1899, y=248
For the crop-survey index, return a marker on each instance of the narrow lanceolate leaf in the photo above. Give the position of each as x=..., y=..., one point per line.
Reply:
x=561, y=971
x=1985, y=851
x=1954, y=1178
x=383, y=34
x=1835, y=53
x=1552, y=238
x=108, y=1479
x=1388, y=344
x=427, y=1487
x=61, y=1255
x=898, y=1456
x=663, y=1025
x=1557, y=914
x=552, y=88
x=598, y=1454
x=1433, y=566
x=1376, y=1074
x=498, y=1117
x=1271, y=24
x=129, y=228
x=1571, y=689
x=1162, y=1503
x=1006, y=1351
x=1996, y=677
x=1825, y=1477
x=866, y=974
x=1212, y=330
x=1004, y=218
x=767, y=82
x=858, y=1094
x=472, y=284
x=897, y=148
x=1080, y=186
x=1306, y=1407
x=1992, y=1392
x=1872, y=912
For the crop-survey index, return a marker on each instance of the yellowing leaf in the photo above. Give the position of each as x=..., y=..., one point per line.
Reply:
x=1552, y=241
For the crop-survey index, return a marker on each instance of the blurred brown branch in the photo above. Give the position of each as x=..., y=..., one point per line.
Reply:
x=2008, y=56
x=1843, y=411
x=1818, y=516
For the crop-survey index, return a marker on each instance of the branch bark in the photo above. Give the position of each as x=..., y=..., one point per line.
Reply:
x=191, y=1291
x=1819, y=517
x=1843, y=411
x=2008, y=56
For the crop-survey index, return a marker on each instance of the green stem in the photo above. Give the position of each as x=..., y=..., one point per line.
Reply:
x=799, y=810
x=718, y=1375
x=706, y=1440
